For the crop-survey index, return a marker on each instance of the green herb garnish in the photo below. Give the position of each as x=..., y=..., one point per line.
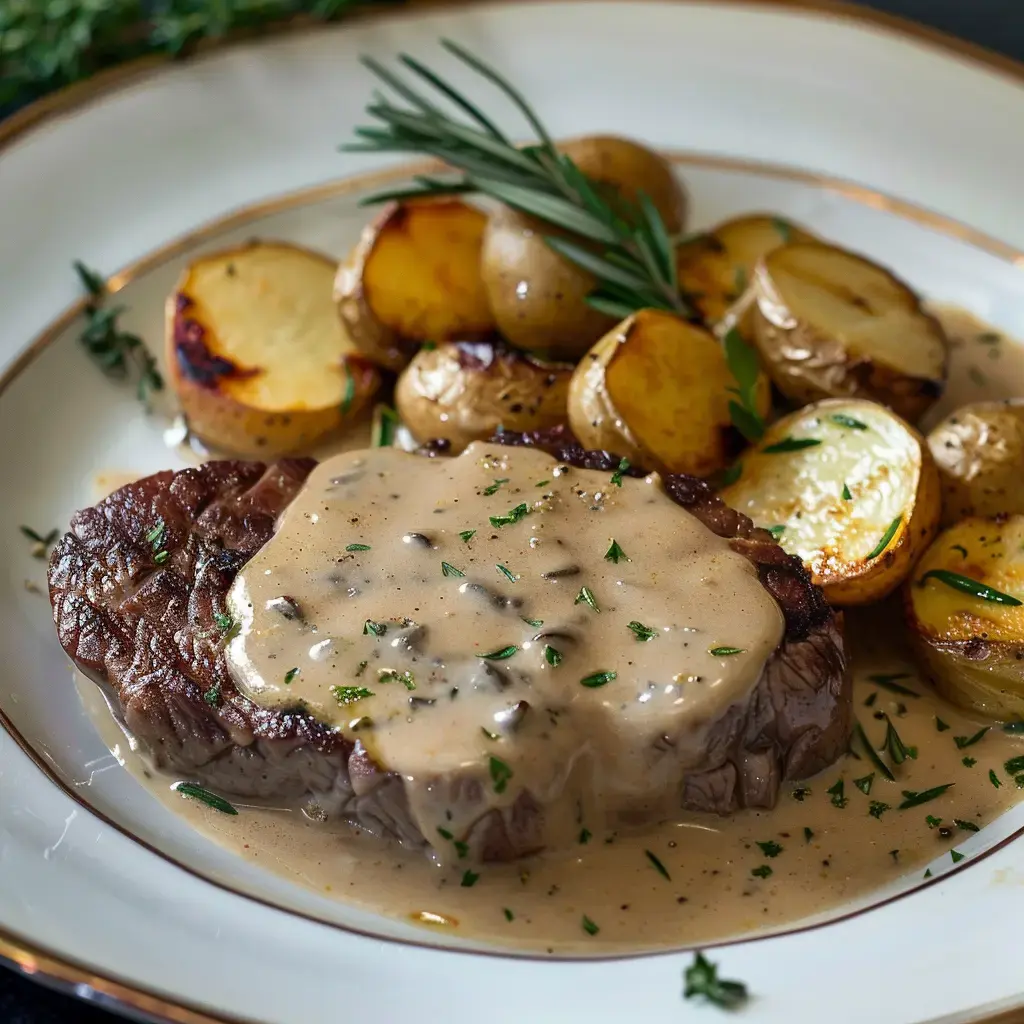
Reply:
x=469, y=879
x=993, y=778
x=641, y=632
x=724, y=652
x=493, y=488
x=490, y=735
x=886, y=538
x=746, y=369
x=847, y=421
x=1013, y=728
x=968, y=586
x=967, y=826
x=350, y=392
x=586, y=596
x=507, y=573
x=374, y=628
x=448, y=569
x=876, y=809
x=357, y=547
x=42, y=544
x=969, y=741
x=960, y=548
x=776, y=531
x=552, y=656
x=769, y=848
x=346, y=695
x=512, y=516
x=888, y=682
x=385, y=426
x=588, y=926
x=732, y=474
x=912, y=799
x=931, y=821
x=847, y=496
x=501, y=654
x=702, y=982
x=617, y=475
x=194, y=792
x=467, y=535
x=808, y=834
x=536, y=623
x=968, y=762
x=212, y=696
x=509, y=916
x=864, y=784
x=290, y=675
x=880, y=766
x=761, y=872
x=597, y=679
x=956, y=856
x=390, y=675
x=790, y=444
x=940, y=725
x=616, y=554
x=500, y=774
x=898, y=750
x=658, y=866
x=161, y=556
x=224, y=622
x=838, y=797
x=1014, y=765
x=585, y=836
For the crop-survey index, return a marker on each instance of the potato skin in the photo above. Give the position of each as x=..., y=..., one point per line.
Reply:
x=807, y=364
x=538, y=298
x=465, y=391
x=979, y=450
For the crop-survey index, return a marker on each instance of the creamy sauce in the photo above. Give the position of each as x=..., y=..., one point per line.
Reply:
x=499, y=626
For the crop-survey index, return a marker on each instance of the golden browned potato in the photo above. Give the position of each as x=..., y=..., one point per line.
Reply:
x=979, y=450
x=465, y=391
x=966, y=620
x=258, y=359
x=716, y=267
x=829, y=324
x=537, y=296
x=656, y=390
x=415, y=276
x=849, y=488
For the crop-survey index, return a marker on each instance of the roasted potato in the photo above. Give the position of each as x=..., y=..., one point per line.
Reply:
x=716, y=267
x=415, y=276
x=848, y=487
x=979, y=450
x=965, y=616
x=258, y=359
x=537, y=296
x=465, y=391
x=656, y=389
x=832, y=324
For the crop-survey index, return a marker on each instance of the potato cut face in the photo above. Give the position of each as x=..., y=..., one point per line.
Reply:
x=267, y=311
x=715, y=268
x=669, y=383
x=983, y=550
x=869, y=312
x=835, y=477
x=422, y=275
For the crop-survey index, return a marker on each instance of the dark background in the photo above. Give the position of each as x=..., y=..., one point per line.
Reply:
x=996, y=24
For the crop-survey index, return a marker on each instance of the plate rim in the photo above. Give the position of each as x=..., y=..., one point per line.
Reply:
x=121, y=995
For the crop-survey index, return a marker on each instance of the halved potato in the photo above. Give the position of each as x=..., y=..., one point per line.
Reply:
x=258, y=359
x=979, y=450
x=848, y=487
x=465, y=391
x=716, y=267
x=972, y=648
x=829, y=323
x=656, y=389
x=414, y=277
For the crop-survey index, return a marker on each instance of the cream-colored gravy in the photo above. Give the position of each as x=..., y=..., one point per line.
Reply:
x=473, y=623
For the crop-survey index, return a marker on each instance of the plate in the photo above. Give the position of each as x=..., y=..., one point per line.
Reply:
x=765, y=107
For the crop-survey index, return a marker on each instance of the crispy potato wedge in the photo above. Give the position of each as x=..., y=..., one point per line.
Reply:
x=258, y=359
x=848, y=487
x=414, y=277
x=465, y=391
x=655, y=389
x=979, y=450
x=829, y=323
x=716, y=267
x=972, y=648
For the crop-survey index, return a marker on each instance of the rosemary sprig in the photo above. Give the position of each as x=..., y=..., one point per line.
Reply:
x=118, y=353
x=626, y=248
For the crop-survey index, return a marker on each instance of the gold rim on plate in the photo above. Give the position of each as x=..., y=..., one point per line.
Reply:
x=106, y=990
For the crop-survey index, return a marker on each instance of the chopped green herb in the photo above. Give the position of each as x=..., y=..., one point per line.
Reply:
x=469, y=879
x=967, y=826
x=993, y=778
x=847, y=496
x=617, y=475
x=346, y=695
x=969, y=762
x=212, y=696
x=490, y=735
x=161, y=556
x=194, y=792
x=586, y=596
x=969, y=741
x=895, y=854
x=886, y=538
x=444, y=833
x=585, y=836
x=745, y=367
x=616, y=554
x=597, y=679
x=1014, y=765
x=448, y=569
x=461, y=848
x=385, y=426
x=467, y=535
x=552, y=656
x=876, y=808
x=154, y=537
x=509, y=916
x=350, y=392
x=507, y=573
x=960, y=548
x=588, y=926
x=536, y=623
x=940, y=725
x=702, y=982
x=790, y=444
x=374, y=628
x=290, y=675
x=732, y=474
x=932, y=822
x=500, y=774
x=801, y=793
x=658, y=866
x=898, y=751
x=513, y=515
x=928, y=873
x=847, y=421
x=871, y=698
x=776, y=531
x=224, y=622
x=888, y=682
x=390, y=675
x=761, y=872
x=357, y=547
x=969, y=586
x=808, y=834
x=838, y=797
x=770, y=848
x=912, y=799
x=641, y=632
x=493, y=489
x=956, y=856
x=542, y=483
x=724, y=652
x=501, y=654
x=1013, y=728
x=864, y=784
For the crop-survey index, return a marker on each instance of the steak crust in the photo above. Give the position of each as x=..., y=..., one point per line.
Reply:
x=139, y=587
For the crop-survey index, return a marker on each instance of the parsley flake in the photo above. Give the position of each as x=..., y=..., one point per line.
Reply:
x=586, y=596
x=641, y=632
x=616, y=554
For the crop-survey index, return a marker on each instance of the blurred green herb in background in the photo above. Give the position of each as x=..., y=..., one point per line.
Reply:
x=45, y=44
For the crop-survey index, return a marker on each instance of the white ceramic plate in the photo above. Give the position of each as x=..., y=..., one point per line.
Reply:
x=139, y=179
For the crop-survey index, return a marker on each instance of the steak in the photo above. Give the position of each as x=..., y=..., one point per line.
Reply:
x=139, y=587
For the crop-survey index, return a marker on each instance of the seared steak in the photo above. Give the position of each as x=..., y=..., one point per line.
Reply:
x=139, y=585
